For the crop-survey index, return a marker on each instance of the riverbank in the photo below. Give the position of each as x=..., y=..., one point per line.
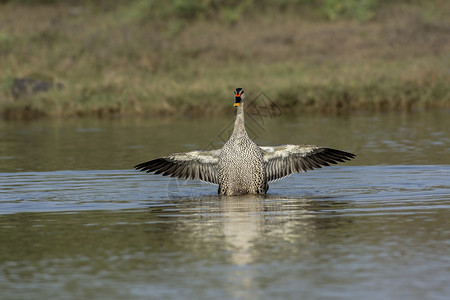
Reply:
x=112, y=62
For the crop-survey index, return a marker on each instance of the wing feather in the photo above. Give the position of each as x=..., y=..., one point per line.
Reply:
x=281, y=161
x=198, y=165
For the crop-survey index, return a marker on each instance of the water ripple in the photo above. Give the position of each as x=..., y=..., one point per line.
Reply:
x=373, y=189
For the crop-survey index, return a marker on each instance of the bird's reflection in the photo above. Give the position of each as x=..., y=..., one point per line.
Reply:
x=256, y=229
x=251, y=222
x=242, y=223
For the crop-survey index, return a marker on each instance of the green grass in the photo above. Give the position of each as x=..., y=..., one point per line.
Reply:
x=135, y=59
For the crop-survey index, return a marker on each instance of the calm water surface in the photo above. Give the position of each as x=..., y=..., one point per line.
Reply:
x=76, y=222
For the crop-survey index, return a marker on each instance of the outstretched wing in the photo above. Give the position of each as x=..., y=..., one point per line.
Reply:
x=199, y=165
x=282, y=161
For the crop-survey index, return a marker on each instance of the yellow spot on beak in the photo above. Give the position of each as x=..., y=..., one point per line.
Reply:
x=236, y=104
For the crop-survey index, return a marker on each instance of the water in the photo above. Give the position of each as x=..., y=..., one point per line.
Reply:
x=76, y=222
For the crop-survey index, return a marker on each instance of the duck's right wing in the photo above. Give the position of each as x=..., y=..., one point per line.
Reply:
x=282, y=161
x=198, y=165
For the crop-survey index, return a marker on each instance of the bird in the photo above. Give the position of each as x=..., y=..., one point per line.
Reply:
x=242, y=167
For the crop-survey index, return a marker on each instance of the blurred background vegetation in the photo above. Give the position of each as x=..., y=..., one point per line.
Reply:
x=180, y=57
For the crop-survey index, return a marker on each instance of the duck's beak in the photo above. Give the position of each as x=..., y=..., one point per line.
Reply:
x=237, y=100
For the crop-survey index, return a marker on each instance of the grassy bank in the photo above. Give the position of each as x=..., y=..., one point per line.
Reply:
x=132, y=59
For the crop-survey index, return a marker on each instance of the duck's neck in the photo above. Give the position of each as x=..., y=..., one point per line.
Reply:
x=239, y=123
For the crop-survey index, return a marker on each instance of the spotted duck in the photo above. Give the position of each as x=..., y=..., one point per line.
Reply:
x=241, y=166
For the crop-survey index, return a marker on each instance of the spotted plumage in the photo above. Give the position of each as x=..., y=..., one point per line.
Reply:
x=241, y=166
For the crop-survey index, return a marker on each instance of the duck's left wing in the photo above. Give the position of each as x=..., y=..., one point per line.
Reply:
x=282, y=161
x=199, y=165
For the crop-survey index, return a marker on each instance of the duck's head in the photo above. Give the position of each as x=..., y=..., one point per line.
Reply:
x=239, y=96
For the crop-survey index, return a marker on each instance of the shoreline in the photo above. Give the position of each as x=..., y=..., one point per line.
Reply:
x=112, y=64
